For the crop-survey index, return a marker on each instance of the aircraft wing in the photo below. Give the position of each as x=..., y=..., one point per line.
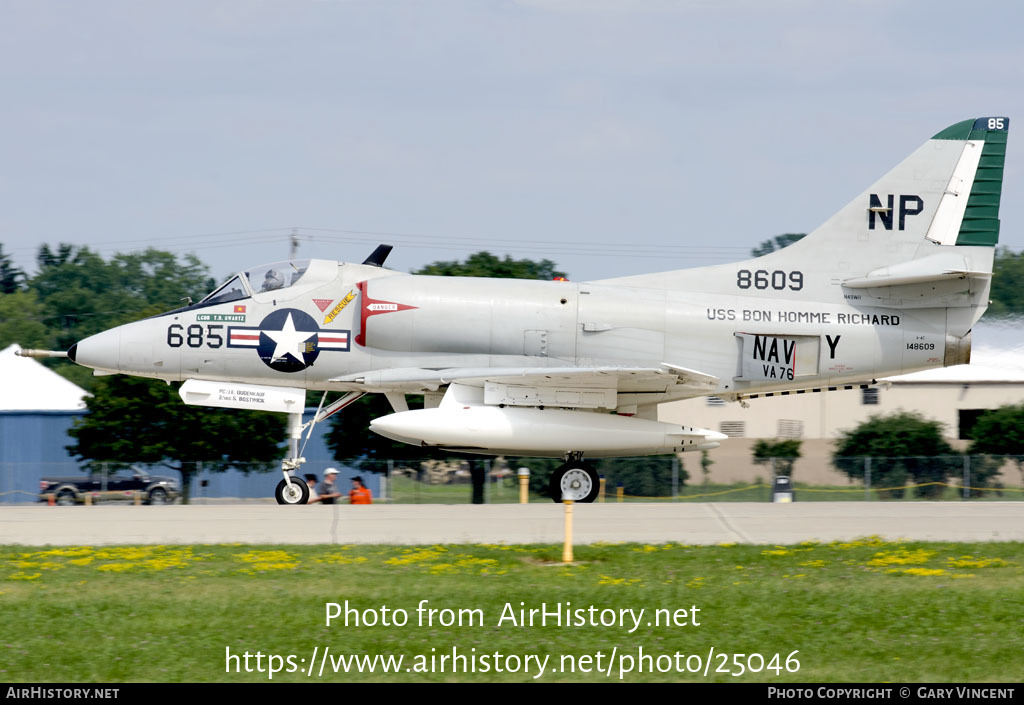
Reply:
x=554, y=386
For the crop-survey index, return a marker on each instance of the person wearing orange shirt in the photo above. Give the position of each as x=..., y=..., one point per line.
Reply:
x=360, y=493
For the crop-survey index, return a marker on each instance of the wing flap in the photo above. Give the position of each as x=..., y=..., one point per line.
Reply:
x=557, y=386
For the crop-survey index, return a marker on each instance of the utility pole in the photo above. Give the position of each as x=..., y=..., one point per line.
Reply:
x=294, y=240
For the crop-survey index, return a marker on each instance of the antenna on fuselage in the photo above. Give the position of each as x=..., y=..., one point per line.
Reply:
x=377, y=257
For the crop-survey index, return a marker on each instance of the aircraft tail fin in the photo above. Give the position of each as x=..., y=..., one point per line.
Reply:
x=933, y=217
x=945, y=194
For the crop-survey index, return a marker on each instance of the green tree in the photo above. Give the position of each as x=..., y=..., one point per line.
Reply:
x=904, y=447
x=998, y=433
x=705, y=465
x=135, y=420
x=11, y=278
x=1007, y=292
x=21, y=317
x=79, y=294
x=780, y=455
x=83, y=294
x=484, y=264
x=776, y=243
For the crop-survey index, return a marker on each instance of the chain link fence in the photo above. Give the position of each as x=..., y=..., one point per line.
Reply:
x=496, y=481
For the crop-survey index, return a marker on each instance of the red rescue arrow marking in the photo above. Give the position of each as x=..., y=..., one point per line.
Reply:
x=372, y=307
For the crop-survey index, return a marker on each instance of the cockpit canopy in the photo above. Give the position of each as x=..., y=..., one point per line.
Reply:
x=231, y=290
x=266, y=277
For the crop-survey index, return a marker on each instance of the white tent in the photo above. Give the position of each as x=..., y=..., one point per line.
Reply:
x=27, y=385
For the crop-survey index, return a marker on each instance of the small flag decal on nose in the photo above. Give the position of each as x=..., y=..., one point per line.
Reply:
x=239, y=309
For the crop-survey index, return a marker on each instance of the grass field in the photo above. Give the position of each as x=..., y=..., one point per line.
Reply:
x=866, y=610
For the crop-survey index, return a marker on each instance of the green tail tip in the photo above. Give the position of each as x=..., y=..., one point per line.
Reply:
x=974, y=128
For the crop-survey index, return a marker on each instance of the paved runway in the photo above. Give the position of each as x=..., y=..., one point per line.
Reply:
x=742, y=522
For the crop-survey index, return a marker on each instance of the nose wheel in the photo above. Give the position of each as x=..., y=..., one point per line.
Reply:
x=576, y=481
x=294, y=492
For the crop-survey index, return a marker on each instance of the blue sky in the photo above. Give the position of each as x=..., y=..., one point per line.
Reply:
x=612, y=137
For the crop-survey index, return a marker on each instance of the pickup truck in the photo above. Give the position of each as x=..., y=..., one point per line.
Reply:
x=118, y=486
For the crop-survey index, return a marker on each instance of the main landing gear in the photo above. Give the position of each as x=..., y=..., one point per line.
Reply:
x=292, y=489
x=574, y=480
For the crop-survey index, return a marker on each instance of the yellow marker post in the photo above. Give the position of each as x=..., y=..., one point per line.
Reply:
x=524, y=485
x=88, y=499
x=137, y=499
x=620, y=492
x=567, y=546
x=600, y=492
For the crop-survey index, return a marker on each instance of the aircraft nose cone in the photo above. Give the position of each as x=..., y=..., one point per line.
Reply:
x=100, y=351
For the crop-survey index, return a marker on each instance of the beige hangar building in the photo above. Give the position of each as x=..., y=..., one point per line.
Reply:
x=955, y=396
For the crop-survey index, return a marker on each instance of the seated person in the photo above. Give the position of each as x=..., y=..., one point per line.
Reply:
x=272, y=281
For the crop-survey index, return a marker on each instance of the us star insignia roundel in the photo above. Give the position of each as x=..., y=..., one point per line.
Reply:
x=288, y=340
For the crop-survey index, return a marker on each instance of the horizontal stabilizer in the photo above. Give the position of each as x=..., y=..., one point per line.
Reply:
x=937, y=267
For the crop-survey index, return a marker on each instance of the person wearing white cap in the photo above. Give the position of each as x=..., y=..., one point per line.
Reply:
x=327, y=491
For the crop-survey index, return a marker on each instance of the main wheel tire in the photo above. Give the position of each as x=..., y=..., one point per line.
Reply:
x=577, y=481
x=296, y=493
x=157, y=495
x=66, y=498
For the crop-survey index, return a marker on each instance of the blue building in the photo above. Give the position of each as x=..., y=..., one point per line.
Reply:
x=38, y=407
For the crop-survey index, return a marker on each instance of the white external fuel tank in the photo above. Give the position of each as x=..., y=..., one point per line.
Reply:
x=541, y=432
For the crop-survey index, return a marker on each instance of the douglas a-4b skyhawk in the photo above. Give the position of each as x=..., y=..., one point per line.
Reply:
x=890, y=284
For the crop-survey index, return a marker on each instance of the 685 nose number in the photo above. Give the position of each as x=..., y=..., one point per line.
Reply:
x=194, y=336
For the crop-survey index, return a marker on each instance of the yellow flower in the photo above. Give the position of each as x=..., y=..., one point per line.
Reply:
x=115, y=567
x=901, y=556
x=972, y=562
x=261, y=561
x=24, y=576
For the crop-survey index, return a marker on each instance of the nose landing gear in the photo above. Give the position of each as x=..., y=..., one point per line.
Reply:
x=292, y=489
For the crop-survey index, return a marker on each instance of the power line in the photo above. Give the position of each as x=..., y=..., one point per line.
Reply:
x=215, y=240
